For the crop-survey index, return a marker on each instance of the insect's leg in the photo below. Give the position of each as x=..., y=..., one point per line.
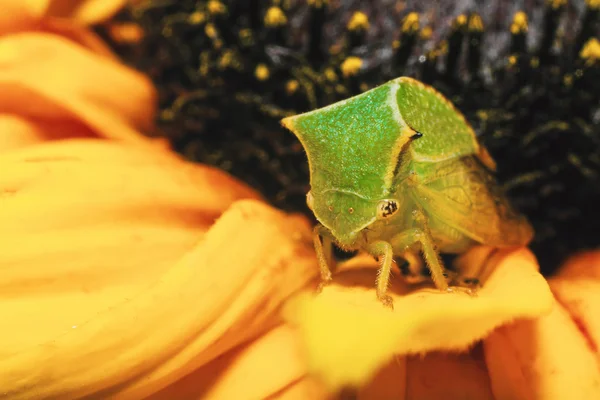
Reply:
x=407, y=238
x=324, y=250
x=384, y=251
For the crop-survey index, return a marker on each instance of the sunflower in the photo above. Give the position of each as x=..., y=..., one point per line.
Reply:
x=129, y=273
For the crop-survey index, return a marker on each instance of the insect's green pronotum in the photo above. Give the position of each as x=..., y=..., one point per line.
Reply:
x=396, y=171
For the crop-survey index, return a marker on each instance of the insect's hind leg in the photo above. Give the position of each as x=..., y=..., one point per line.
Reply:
x=405, y=239
x=324, y=250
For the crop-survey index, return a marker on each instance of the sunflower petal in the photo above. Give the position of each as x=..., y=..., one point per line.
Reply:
x=113, y=277
x=349, y=335
x=46, y=77
x=269, y=366
x=84, y=11
x=546, y=358
x=448, y=376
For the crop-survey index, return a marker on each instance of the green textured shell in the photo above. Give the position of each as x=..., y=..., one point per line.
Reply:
x=353, y=145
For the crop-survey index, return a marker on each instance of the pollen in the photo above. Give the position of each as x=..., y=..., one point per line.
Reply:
x=291, y=86
x=593, y=4
x=196, y=18
x=519, y=24
x=460, y=21
x=330, y=75
x=317, y=3
x=275, y=17
x=359, y=21
x=210, y=31
x=351, y=66
x=426, y=33
x=475, y=23
x=216, y=7
x=410, y=24
x=262, y=72
x=591, y=51
x=556, y=4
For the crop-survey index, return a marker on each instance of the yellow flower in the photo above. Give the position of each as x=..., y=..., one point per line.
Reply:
x=128, y=273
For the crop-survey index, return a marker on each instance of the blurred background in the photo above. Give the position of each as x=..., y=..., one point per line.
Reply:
x=526, y=74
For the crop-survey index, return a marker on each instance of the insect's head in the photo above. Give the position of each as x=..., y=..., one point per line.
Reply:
x=347, y=214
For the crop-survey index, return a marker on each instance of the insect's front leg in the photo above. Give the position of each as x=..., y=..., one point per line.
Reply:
x=409, y=237
x=383, y=251
x=324, y=250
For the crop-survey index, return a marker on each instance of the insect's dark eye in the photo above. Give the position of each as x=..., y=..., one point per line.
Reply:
x=310, y=200
x=387, y=208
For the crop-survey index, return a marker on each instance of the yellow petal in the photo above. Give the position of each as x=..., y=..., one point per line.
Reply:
x=271, y=365
x=546, y=358
x=16, y=16
x=448, y=376
x=577, y=288
x=349, y=335
x=77, y=33
x=17, y=132
x=84, y=11
x=107, y=282
x=46, y=77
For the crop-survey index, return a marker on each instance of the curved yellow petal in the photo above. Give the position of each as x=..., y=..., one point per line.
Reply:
x=110, y=281
x=546, y=358
x=16, y=16
x=448, y=376
x=349, y=335
x=577, y=288
x=49, y=78
x=83, y=11
x=270, y=366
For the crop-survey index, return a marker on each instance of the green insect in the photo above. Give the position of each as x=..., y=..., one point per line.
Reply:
x=397, y=171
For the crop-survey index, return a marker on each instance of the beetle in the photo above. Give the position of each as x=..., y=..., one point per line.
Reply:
x=398, y=171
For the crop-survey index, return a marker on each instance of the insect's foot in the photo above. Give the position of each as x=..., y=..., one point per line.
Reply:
x=324, y=282
x=386, y=300
x=460, y=289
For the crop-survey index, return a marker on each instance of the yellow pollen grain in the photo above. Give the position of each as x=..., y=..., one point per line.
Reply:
x=291, y=86
x=351, y=66
x=591, y=51
x=330, y=75
x=443, y=47
x=226, y=59
x=196, y=18
x=593, y=4
x=512, y=60
x=262, y=72
x=519, y=24
x=460, y=21
x=358, y=21
x=410, y=24
x=275, y=17
x=556, y=4
x=317, y=3
x=210, y=31
x=216, y=7
x=568, y=80
x=475, y=23
x=426, y=33
x=535, y=62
